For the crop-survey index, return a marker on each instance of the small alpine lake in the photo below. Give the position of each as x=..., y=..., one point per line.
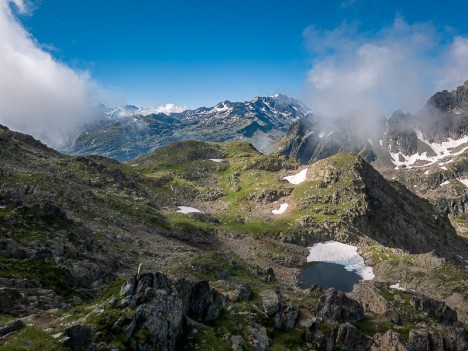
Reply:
x=334, y=265
x=327, y=275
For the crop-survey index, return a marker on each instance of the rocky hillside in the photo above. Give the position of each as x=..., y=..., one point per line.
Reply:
x=128, y=132
x=434, y=135
x=198, y=246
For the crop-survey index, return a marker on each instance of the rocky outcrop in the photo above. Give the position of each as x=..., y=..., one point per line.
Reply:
x=446, y=339
x=20, y=297
x=159, y=308
x=285, y=313
x=205, y=303
x=342, y=337
x=389, y=341
x=437, y=310
x=336, y=306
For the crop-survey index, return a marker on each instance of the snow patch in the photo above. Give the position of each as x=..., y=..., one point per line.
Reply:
x=281, y=210
x=216, y=159
x=342, y=254
x=444, y=168
x=397, y=287
x=297, y=178
x=380, y=142
x=321, y=135
x=427, y=172
x=447, y=182
x=463, y=181
x=2, y=207
x=186, y=209
x=441, y=150
x=370, y=142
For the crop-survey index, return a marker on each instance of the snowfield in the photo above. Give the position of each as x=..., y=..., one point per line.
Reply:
x=343, y=254
x=463, y=181
x=297, y=178
x=216, y=159
x=441, y=150
x=281, y=210
x=397, y=287
x=186, y=209
x=447, y=182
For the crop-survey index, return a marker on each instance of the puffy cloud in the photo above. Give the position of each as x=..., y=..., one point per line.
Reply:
x=166, y=108
x=395, y=68
x=38, y=94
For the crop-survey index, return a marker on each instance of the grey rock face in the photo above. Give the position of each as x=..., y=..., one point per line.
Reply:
x=258, y=337
x=336, y=306
x=389, y=341
x=446, y=339
x=157, y=321
x=435, y=309
x=271, y=301
x=286, y=318
x=285, y=313
x=162, y=317
x=343, y=337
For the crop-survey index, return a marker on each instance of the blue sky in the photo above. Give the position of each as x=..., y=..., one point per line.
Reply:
x=196, y=53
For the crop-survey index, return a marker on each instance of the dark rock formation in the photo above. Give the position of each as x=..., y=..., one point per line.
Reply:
x=343, y=337
x=205, y=303
x=434, y=309
x=11, y=327
x=336, y=306
x=77, y=337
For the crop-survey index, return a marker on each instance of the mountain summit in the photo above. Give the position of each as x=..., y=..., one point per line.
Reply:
x=437, y=133
x=129, y=131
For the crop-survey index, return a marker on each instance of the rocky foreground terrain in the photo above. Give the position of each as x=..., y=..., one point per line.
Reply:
x=101, y=255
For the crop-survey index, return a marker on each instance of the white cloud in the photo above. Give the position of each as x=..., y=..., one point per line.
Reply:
x=166, y=108
x=38, y=94
x=455, y=65
x=398, y=67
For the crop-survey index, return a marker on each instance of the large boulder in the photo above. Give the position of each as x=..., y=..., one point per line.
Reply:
x=205, y=303
x=77, y=337
x=336, y=306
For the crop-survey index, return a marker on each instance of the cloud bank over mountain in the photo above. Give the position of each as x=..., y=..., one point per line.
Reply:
x=397, y=67
x=38, y=94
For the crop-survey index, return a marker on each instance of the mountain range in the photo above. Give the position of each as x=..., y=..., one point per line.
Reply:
x=127, y=132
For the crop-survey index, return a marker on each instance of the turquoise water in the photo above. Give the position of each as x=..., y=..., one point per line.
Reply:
x=327, y=275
